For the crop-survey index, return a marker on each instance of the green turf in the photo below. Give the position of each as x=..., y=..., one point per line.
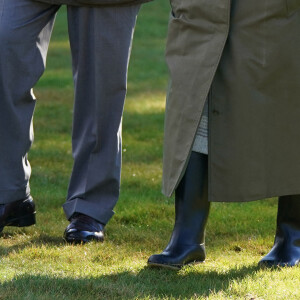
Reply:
x=37, y=264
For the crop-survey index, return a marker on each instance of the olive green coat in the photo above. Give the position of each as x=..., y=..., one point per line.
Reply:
x=94, y=2
x=245, y=57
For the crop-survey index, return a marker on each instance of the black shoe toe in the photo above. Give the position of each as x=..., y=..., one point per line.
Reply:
x=19, y=213
x=83, y=229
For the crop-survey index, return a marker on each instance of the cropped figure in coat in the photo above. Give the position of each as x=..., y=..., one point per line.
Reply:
x=100, y=33
x=232, y=119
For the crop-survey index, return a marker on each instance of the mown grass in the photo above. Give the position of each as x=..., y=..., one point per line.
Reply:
x=37, y=264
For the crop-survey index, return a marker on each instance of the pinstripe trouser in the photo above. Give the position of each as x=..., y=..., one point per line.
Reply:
x=100, y=40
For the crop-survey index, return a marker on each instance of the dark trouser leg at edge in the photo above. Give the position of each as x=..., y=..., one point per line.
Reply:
x=25, y=30
x=286, y=249
x=191, y=212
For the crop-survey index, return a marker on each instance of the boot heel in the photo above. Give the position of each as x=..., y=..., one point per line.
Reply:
x=23, y=221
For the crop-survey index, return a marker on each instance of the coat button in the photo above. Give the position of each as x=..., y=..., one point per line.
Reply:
x=215, y=112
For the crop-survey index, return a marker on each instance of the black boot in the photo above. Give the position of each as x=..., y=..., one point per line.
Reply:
x=286, y=249
x=191, y=213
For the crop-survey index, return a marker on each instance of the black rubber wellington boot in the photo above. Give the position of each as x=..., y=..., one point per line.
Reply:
x=191, y=212
x=286, y=249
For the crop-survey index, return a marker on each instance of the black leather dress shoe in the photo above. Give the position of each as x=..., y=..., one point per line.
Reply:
x=83, y=229
x=19, y=213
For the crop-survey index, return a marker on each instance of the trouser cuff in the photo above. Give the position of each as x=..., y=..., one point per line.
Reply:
x=90, y=209
x=8, y=196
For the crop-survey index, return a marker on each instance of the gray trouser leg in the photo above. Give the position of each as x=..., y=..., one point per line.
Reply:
x=100, y=41
x=25, y=29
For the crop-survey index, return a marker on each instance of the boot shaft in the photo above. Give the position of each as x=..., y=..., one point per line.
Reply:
x=191, y=203
x=289, y=210
x=288, y=219
x=286, y=248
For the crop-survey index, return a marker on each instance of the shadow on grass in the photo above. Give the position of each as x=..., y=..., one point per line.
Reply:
x=40, y=240
x=148, y=283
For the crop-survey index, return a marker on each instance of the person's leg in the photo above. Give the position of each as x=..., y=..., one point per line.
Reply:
x=286, y=249
x=100, y=42
x=191, y=212
x=25, y=29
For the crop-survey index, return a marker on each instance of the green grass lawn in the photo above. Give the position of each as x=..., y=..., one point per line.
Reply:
x=37, y=264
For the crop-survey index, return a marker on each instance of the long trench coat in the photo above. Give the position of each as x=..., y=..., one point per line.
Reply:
x=94, y=2
x=244, y=56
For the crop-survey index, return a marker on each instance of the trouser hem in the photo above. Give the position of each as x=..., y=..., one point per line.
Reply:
x=90, y=209
x=9, y=196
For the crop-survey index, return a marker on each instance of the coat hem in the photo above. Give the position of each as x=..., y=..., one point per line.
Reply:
x=96, y=4
x=263, y=197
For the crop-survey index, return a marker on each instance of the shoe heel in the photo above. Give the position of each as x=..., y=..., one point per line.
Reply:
x=24, y=221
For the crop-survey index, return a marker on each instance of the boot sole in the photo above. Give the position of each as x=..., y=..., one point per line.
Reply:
x=276, y=264
x=173, y=267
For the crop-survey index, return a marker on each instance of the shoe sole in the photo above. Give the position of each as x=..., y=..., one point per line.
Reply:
x=82, y=237
x=81, y=241
x=23, y=221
